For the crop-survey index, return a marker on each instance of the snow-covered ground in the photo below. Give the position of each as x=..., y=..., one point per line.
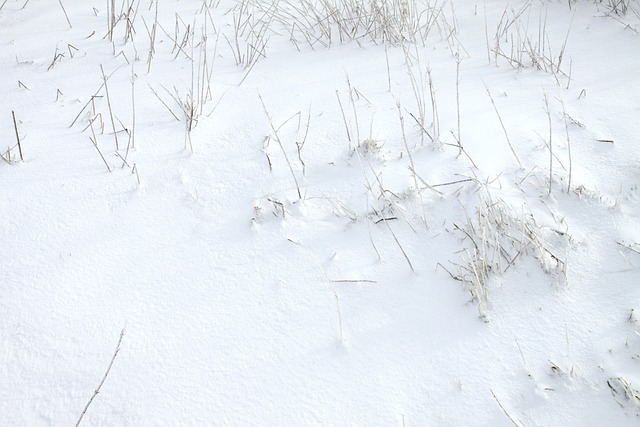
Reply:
x=389, y=213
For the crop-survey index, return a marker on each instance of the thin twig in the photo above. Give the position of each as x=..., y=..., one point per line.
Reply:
x=516, y=423
x=95, y=393
x=133, y=110
x=163, y=103
x=94, y=140
x=411, y=164
x=8, y=161
x=106, y=89
x=101, y=155
x=15, y=126
x=629, y=247
x=284, y=153
x=91, y=99
x=566, y=128
x=546, y=108
x=454, y=182
x=506, y=134
x=406, y=257
x=65, y=13
x=344, y=118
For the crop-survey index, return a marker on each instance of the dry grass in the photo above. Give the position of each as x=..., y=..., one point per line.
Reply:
x=498, y=237
x=522, y=42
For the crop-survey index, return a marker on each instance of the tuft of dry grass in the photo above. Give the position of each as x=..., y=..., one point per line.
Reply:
x=498, y=237
x=522, y=42
x=621, y=387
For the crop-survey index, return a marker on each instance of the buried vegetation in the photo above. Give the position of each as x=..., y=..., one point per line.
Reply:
x=299, y=199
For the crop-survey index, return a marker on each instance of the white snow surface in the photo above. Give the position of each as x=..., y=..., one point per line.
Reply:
x=412, y=282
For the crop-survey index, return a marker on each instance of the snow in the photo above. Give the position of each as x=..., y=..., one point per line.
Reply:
x=357, y=303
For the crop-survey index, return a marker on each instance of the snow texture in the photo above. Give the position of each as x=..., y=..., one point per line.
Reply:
x=400, y=213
